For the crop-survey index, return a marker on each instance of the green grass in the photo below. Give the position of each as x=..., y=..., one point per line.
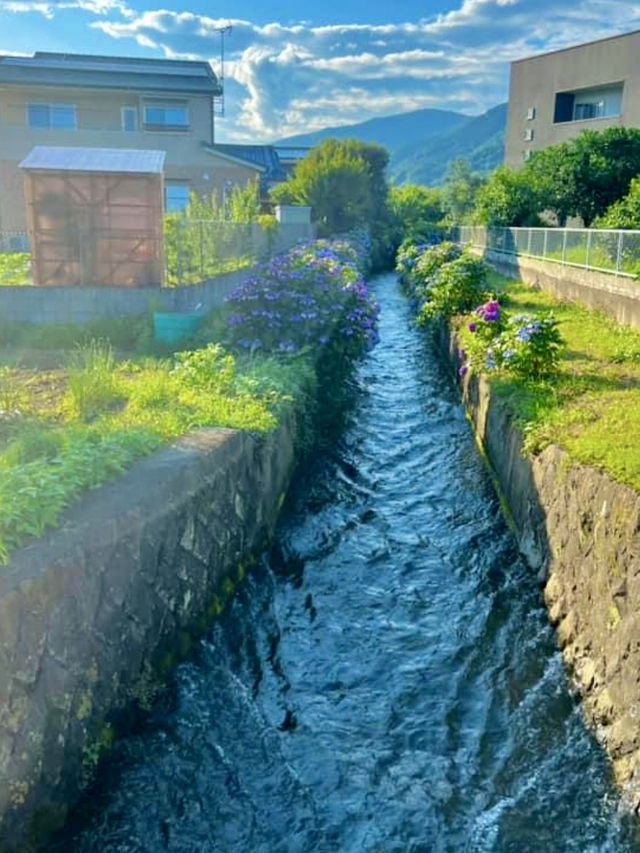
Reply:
x=592, y=408
x=15, y=269
x=70, y=429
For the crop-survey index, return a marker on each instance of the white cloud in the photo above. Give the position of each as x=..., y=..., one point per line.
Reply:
x=48, y=8
x=282, y=79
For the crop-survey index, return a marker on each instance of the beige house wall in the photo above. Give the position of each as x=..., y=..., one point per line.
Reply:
x=99, y=121
x=536, y=81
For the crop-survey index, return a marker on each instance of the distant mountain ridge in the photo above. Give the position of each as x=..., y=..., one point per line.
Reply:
x=391, y=131
x=480, y=140
x=422, y=143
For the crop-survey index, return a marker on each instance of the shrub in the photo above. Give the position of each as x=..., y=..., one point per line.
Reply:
x=435, y=257
x=314, y=296
x=15, y=269
x=454, y=288
x=529, y=347
x=525, y=346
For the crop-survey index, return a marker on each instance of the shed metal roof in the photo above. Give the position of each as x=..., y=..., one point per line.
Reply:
x=62, y=159
x=110, y=72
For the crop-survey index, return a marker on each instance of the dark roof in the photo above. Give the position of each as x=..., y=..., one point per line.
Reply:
x=263, y=157
x=292, y=152
x=173, y=76
x=59, y=158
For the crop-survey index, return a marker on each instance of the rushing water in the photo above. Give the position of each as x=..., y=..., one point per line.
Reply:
x=385, y=681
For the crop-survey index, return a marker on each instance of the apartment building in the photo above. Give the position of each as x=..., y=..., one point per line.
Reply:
x=555, y=96
x=115, y=102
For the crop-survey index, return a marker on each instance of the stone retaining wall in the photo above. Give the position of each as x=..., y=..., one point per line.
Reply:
x=581, y=531
x=89, y=612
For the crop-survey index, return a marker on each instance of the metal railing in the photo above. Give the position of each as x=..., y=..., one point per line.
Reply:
x=607, y=251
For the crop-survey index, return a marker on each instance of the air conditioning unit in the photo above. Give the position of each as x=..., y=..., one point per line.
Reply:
x=528, y=134
x=531, y=113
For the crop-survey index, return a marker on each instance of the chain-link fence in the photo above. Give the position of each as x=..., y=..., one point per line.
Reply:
x=200, y=249
x=616, y=252
x=194, y=250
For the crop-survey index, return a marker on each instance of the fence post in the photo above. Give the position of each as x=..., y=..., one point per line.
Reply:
x=201, y=250
x=564, y=246
x=544, y=247
x=619, y=255
x=588, y=247
x=529, y=241
x=179, y=250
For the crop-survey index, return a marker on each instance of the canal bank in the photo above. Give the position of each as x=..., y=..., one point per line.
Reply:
x=580, y=531
x=385, y=680
x=94, y=616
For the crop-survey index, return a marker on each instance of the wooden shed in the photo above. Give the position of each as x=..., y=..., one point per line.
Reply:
x=95, y=216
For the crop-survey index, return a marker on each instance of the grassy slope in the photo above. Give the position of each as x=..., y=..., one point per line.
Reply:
x=592, y=410
x=69, y=429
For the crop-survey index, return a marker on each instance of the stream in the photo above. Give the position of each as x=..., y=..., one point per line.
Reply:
x=385, y=680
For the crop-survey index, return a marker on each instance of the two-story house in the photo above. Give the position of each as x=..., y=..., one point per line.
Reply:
x=115, y=102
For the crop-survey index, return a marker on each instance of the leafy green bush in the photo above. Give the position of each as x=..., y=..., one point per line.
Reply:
x=416, y=262
x=209, y=367
x=454, y=288
x=15, y=269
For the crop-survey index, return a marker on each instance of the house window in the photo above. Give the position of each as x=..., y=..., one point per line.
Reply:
x=531, y=113
x=57, y=116
x=528, y=134
x=527, y=154
x=129, y=119
x=166, y=116
x=176, y=197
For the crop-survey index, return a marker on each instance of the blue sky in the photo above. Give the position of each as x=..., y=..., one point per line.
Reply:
x=294, y=67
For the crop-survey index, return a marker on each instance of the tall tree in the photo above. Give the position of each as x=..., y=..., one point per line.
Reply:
x=344, y=183
x=507, y=198
x=459, y=191
x=584, y=176
x=416, y=208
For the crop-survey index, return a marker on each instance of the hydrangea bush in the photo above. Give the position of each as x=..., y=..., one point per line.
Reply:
x=312, y=297
x=455, y=287
x=416, y=263
x=525, y=346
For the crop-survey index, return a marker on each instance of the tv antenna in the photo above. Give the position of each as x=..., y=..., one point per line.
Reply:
x=223, y=32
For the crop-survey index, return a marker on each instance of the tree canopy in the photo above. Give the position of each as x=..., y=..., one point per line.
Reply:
x=624, y=213
x=584, y=176
x=416, y=208
x=507, y=198
x=459, y=192
x=344, y=183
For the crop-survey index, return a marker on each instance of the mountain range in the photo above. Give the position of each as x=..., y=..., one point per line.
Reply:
x=423, y=143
